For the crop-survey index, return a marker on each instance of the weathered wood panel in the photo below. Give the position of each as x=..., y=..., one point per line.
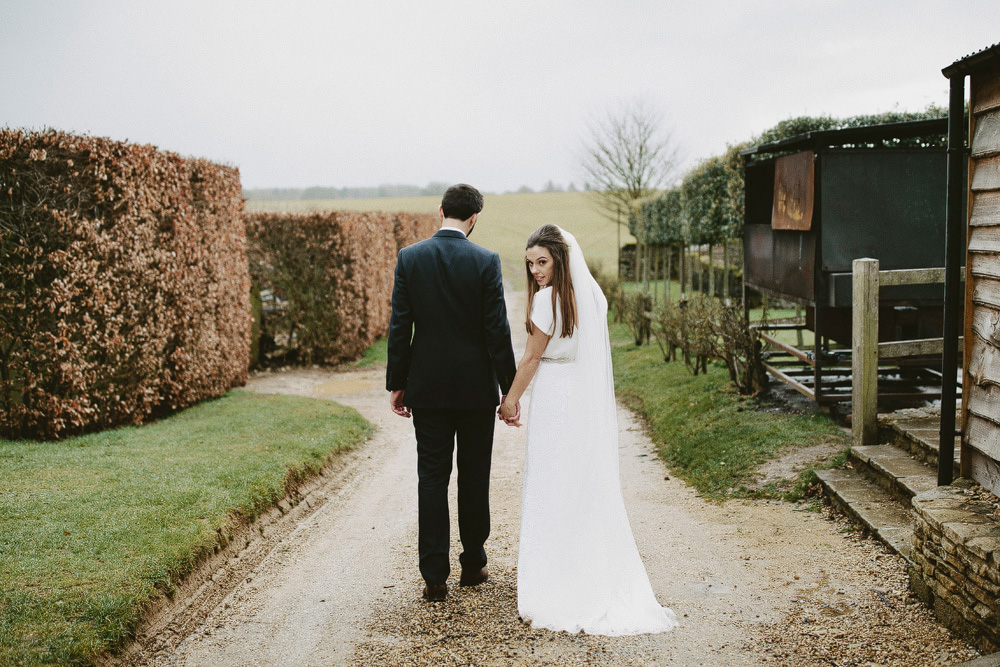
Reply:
x=984, y=402
x=985, y=470
x=986, y=324
x=984, y=92
x=986, y=174
x=981, y=390
x=910, y=276
x=864, y=352
x=984, y=265
x=982, y=434
x=985, y=209
x=986, y=291
x=984, y=239
x=986, y=139
x=983, y=367
x=911, y=348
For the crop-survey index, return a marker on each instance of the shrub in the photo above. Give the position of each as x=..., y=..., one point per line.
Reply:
x=704, y=328
x=123, y=283
x=328, y=280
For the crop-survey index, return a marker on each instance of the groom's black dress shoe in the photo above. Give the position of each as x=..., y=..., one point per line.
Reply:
x=435, y=592
x=474, y=578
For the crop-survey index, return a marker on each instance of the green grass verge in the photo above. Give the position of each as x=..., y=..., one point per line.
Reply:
x=92, y=528
x=703, y=430
x=374, y=355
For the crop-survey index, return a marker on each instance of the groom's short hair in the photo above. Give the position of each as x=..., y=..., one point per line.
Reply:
x=461, y=202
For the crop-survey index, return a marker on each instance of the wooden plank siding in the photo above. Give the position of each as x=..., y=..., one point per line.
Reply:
x=984, y=365
x=981, y=386
x=986, y=140
x=985, y=209
x=986, y=325
x=985, y=94
x=987, y=174
x=984, y=239
x=983, y=266
x=984, y=402
x=986, y=292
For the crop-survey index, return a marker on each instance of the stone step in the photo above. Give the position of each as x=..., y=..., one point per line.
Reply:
x=872, y=506
x=916, y=431
x=894, y=470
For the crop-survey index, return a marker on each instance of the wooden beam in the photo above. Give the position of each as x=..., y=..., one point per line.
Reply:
x=911, y=348
x=790, y=381
x=784, y=347
x=864, y=352
x=910, y=277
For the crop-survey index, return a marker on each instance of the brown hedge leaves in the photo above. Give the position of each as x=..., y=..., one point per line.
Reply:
x=327, y=279
x=124, y=285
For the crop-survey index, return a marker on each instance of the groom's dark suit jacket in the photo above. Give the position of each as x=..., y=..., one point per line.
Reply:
x=449, y=340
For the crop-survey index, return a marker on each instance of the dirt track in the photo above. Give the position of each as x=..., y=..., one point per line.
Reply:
x=752, y=583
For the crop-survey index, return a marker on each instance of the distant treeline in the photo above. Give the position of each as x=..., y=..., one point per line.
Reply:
x=287, y=194
x=430, y=190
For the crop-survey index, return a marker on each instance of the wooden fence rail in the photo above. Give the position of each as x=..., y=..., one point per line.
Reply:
x=866, y=350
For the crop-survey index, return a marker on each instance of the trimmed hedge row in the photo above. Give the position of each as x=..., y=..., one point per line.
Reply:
x=124, y=285
x=326, y=280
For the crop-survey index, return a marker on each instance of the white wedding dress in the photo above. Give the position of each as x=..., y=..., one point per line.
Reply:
x=578, y=565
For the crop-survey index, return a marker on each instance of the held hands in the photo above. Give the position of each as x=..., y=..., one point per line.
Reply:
x=509, y=413
x=396, y=403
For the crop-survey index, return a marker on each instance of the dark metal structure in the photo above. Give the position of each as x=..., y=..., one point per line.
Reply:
x=816, y=202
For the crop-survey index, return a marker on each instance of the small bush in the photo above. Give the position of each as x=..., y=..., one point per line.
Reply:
x=704, y=328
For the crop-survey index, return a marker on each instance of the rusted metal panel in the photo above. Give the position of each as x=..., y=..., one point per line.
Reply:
x=985, y=92
x=986, y=174
x=792, y=207
x=986, y=137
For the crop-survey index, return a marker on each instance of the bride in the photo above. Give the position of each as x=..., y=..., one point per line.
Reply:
x=578, y=565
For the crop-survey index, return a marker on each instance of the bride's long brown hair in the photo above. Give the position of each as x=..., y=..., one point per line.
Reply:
x=550, y=238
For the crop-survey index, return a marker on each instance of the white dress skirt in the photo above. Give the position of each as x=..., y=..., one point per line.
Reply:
x=578, y=565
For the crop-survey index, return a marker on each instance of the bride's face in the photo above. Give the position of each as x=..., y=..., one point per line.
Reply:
x=540, y=264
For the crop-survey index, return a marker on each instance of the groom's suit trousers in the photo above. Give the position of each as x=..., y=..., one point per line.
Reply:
x=438, y=430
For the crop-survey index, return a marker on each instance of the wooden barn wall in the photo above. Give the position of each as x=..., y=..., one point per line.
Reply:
x=981, y=393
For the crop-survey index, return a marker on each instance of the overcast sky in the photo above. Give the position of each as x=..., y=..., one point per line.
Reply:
x=498, y=94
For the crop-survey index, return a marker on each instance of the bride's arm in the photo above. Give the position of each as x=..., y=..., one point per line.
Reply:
x=537, y=341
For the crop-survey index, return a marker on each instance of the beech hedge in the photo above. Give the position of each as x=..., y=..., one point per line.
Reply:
x=326, y=280
x=124, y=283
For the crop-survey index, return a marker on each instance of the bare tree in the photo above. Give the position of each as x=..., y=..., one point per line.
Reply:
x=628, y=157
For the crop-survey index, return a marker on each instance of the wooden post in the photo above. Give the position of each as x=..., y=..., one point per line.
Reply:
x=864, y=357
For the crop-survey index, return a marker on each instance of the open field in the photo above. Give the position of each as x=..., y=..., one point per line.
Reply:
x=504, y=224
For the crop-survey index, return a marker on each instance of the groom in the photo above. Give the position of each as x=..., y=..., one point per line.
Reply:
x=449, y=348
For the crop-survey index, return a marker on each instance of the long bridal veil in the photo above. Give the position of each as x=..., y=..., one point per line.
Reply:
x=578, y=567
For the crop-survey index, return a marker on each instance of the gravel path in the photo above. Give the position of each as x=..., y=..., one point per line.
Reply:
x=753, y=583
